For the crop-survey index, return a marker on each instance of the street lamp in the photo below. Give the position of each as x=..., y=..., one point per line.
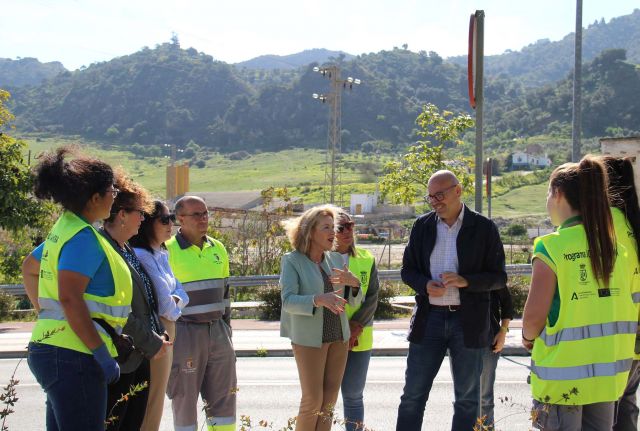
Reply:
x=332, y=176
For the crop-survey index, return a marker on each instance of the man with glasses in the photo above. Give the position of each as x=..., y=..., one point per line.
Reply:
x=204, y=361
x=453, y=260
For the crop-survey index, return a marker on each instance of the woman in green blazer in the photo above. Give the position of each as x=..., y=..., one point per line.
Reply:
x=314, y=284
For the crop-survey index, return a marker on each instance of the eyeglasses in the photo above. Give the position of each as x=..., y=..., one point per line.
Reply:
x=439, y=196
x=167, y=219
x=197, y=215
x=345, y=226
x=114, y=191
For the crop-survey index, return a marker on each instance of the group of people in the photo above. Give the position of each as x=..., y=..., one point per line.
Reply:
x=580, y=320
x=130, y=305
x=128, y=311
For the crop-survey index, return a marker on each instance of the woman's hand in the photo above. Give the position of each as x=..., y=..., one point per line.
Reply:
x=331, y=301
x=164, y=349
x=345, y=277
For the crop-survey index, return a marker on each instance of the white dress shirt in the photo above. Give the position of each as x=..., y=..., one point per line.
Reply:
x=444, y=258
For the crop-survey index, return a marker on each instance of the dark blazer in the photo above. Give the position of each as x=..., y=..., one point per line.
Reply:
x=481, y=262
x=138, y=326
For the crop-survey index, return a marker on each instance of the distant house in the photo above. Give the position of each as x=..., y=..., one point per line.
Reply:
x=523, y=160
x=363, y=203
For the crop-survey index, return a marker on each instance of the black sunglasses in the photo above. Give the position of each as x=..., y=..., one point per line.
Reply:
x=347, y=226
x=167, y=218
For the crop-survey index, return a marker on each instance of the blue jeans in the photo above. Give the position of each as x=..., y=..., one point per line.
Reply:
x=487, y=380
x=75, y=387
x=355, y=376
x=443, y=331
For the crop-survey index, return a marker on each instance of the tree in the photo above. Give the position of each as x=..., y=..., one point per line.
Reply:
x=405, y=180
x=17, y=208
x=23, y=220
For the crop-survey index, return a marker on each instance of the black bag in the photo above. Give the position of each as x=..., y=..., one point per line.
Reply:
x=122, y=342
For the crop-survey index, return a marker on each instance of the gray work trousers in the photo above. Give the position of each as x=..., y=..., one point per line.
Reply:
x=627, y=407
x=204, y=363
x=590, y=417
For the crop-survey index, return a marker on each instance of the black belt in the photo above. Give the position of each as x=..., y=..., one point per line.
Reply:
x=445, y=307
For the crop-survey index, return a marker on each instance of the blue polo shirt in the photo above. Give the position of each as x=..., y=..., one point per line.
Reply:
x=84, y=255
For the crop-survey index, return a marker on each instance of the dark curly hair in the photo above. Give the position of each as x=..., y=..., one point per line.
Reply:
x=71, y=182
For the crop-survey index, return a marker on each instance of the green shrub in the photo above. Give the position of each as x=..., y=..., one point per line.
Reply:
x=271, y=303
x=7, y=305
x=385, y=310
x=519, y=288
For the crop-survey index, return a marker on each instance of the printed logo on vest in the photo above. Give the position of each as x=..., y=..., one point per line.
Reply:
x=583, y=273
x=363, y=277
x=574, y=296
x=604, y=292
x=216, y=257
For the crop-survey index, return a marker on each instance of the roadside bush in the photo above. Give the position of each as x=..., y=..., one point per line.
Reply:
x=519, y=288
x=272, y=303
x=385, y=310
x=7, y=305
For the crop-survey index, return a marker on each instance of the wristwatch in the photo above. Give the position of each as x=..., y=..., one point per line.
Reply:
x=504, y=329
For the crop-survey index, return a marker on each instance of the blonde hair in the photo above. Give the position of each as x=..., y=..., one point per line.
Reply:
x=300, y=229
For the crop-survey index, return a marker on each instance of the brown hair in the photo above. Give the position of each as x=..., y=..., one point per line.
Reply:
x=299, y=229
x=131, y=196
x=584, y=185
x=622, y=191
x=71, y=183
x=344, y=217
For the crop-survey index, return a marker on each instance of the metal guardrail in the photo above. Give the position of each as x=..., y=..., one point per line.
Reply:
x=270, y=280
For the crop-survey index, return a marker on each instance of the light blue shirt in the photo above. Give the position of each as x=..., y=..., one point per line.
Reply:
x=444, y=258
x=164, y=282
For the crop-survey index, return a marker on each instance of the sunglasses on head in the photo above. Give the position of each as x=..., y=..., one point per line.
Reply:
x=345, y=226
x=167, y=218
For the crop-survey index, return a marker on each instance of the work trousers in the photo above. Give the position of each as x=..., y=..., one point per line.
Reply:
x=320, y=370
x=590, y=417
x=160, y=369
x=204, y=363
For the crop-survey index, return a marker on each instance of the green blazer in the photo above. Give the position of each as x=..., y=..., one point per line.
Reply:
x=300, y=280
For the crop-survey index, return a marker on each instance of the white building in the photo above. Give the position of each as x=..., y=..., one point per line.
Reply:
x=520, y=159
x=363, y=203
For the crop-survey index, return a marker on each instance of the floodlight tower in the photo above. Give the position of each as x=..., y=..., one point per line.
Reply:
x=332, y=172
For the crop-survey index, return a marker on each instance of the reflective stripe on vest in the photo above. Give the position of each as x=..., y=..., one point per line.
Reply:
x=360, y=265
x=52, y=326
x=118, y=311
x=588, y=331
x=206, y=308
x=203, y=274
x=636, y=297
x=588, y=352
x=204, y=285
x=582, y=371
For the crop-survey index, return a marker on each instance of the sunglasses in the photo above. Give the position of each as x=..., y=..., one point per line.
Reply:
x=167, y=219
x=345, y=226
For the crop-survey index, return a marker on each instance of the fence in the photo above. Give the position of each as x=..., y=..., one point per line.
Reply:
x=257, y=281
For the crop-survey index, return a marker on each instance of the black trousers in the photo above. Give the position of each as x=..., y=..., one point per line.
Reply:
x=128, y=414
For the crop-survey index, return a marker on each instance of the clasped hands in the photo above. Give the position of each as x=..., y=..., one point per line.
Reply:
x=449, y=279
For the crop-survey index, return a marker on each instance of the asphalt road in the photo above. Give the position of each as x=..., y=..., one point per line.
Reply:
x=268, y=390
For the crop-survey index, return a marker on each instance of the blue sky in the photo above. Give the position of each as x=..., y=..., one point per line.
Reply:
x=80, y=32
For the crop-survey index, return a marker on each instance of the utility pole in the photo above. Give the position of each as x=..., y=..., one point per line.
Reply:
x=333, y=171
x=475, y=72
x=576, y=120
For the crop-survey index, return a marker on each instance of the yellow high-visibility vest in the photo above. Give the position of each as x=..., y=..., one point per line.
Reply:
x=203, y=273
x=361, y=265
x=586, y=356
x=113, y=309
